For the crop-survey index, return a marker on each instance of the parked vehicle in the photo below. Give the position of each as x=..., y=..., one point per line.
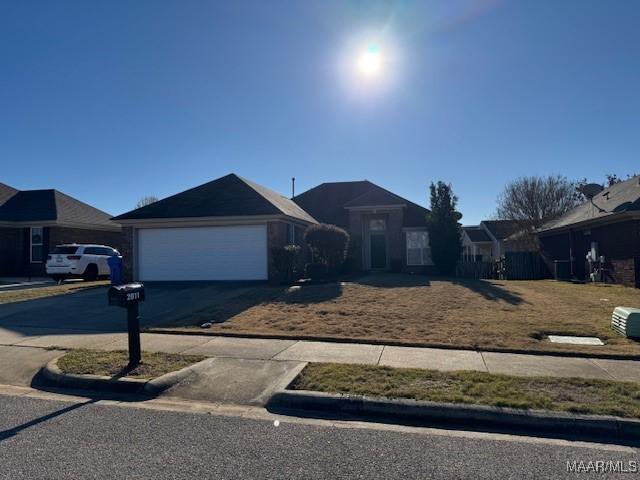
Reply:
x=84, y=261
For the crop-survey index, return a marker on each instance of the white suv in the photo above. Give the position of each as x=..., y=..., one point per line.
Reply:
x=86, y=261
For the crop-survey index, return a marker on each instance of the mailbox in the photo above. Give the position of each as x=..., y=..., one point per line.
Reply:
x=129, y=296
x=125, y=295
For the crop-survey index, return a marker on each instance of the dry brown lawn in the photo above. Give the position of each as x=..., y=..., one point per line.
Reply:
x=418, y=310
x=23, y=294
x=576, y=395
x=114, y=363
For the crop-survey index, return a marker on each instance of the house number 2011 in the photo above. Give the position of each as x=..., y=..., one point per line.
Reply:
x=133, y=296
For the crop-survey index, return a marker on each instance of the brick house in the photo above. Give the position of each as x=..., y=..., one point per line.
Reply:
x=34, y=221
x=222, y=230
x=609, y=225
x=387, y=232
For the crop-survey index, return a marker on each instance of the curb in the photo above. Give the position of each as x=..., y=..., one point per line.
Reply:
x=56, y=377
x=388, y=343
x=474, y=417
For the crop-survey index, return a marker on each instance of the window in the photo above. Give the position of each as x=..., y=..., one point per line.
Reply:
x=64, y=250
x=37, y=244
x=418, y=250
x=291, y=234
x=377, y=225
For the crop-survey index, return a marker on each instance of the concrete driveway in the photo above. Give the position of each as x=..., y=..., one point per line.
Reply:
x=88, y=310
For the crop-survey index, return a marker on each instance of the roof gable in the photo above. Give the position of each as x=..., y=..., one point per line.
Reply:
x=501, y=229
x=619, y=198
x=477, y=234
x=228, y=196
x=328, y=202
x=6, y=192
x=376, y=196
x=30, y=205
x=52, y=206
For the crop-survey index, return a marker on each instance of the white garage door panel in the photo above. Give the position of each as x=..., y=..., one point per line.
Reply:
x=203, y=253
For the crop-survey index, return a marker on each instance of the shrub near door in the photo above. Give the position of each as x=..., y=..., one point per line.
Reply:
x=328, y=245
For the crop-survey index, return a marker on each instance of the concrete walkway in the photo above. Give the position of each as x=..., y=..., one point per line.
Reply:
x=310, y=351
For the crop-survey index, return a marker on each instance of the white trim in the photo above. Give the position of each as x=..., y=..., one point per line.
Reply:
x=422, y=263
x=31, y=244
x=208, y=221
x=55, y=223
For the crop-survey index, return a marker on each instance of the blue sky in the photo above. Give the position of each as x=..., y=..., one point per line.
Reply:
x=111, y=101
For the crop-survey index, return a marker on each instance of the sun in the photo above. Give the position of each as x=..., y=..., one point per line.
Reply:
x=369, y=62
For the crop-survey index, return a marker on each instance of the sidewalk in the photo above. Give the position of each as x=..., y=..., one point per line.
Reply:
x=310, y=351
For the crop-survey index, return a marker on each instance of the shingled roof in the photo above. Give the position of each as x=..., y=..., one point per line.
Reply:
x=621, y=198
x=49, y=206
x=329, y=202
x=477, y=234
x=502, y=229
x=228, y=196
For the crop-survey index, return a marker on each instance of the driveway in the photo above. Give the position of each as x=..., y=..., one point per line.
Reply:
x=88, y=310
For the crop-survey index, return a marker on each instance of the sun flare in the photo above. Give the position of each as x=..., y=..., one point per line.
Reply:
x=369, y=62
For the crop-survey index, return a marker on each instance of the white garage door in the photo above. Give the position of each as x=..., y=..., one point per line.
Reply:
x=203, y=253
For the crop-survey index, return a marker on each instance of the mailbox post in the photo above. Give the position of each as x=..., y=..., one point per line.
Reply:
x=129, y=296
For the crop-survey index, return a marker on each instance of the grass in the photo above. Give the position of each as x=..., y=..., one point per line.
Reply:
x=23, y=294
x=114, y=363
x=600, y=397
x=419, y=310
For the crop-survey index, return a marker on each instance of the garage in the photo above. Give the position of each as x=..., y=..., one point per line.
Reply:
x=237, y=252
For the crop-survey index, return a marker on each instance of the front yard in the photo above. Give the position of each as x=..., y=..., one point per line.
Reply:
x=419, y=310
x=31, y=293
x=576, y=395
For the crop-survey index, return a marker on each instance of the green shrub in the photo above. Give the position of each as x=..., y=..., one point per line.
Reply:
x=286, y=262
x=328, y=245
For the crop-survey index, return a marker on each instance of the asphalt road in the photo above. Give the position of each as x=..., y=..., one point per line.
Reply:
x=64, y=440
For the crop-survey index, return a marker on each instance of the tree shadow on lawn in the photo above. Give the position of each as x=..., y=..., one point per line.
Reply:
x=489, y=291
x=392, y=280
x=221, y=313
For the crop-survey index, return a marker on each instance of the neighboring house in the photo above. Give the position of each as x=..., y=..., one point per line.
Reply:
x=489, y=240
x=476, y=244
x=222, y=230
x=609, y=225
x=34, y=221
x=387, y=232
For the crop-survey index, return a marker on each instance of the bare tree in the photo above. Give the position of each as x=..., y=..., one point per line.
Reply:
x=144, y=201
x=612, y=178
x=534, y=201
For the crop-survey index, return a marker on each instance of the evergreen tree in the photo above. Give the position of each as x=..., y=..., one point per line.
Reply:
x=445, y=235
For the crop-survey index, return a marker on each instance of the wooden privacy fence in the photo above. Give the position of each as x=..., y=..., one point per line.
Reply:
x=476, y=270
x=511, y=266
x=524, y=266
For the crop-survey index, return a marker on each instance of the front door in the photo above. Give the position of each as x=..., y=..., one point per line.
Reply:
x=378, y=250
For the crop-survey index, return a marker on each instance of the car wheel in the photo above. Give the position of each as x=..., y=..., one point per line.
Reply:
x=90, y=273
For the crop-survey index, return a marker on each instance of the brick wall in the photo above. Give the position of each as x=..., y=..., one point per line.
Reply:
x=276, y=238
x=127, y=251
x=395, y=238
x=59, y=235
x=355, y=232
x=618, y=242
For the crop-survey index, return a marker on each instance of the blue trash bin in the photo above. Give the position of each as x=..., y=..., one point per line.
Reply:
x=115, y=267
